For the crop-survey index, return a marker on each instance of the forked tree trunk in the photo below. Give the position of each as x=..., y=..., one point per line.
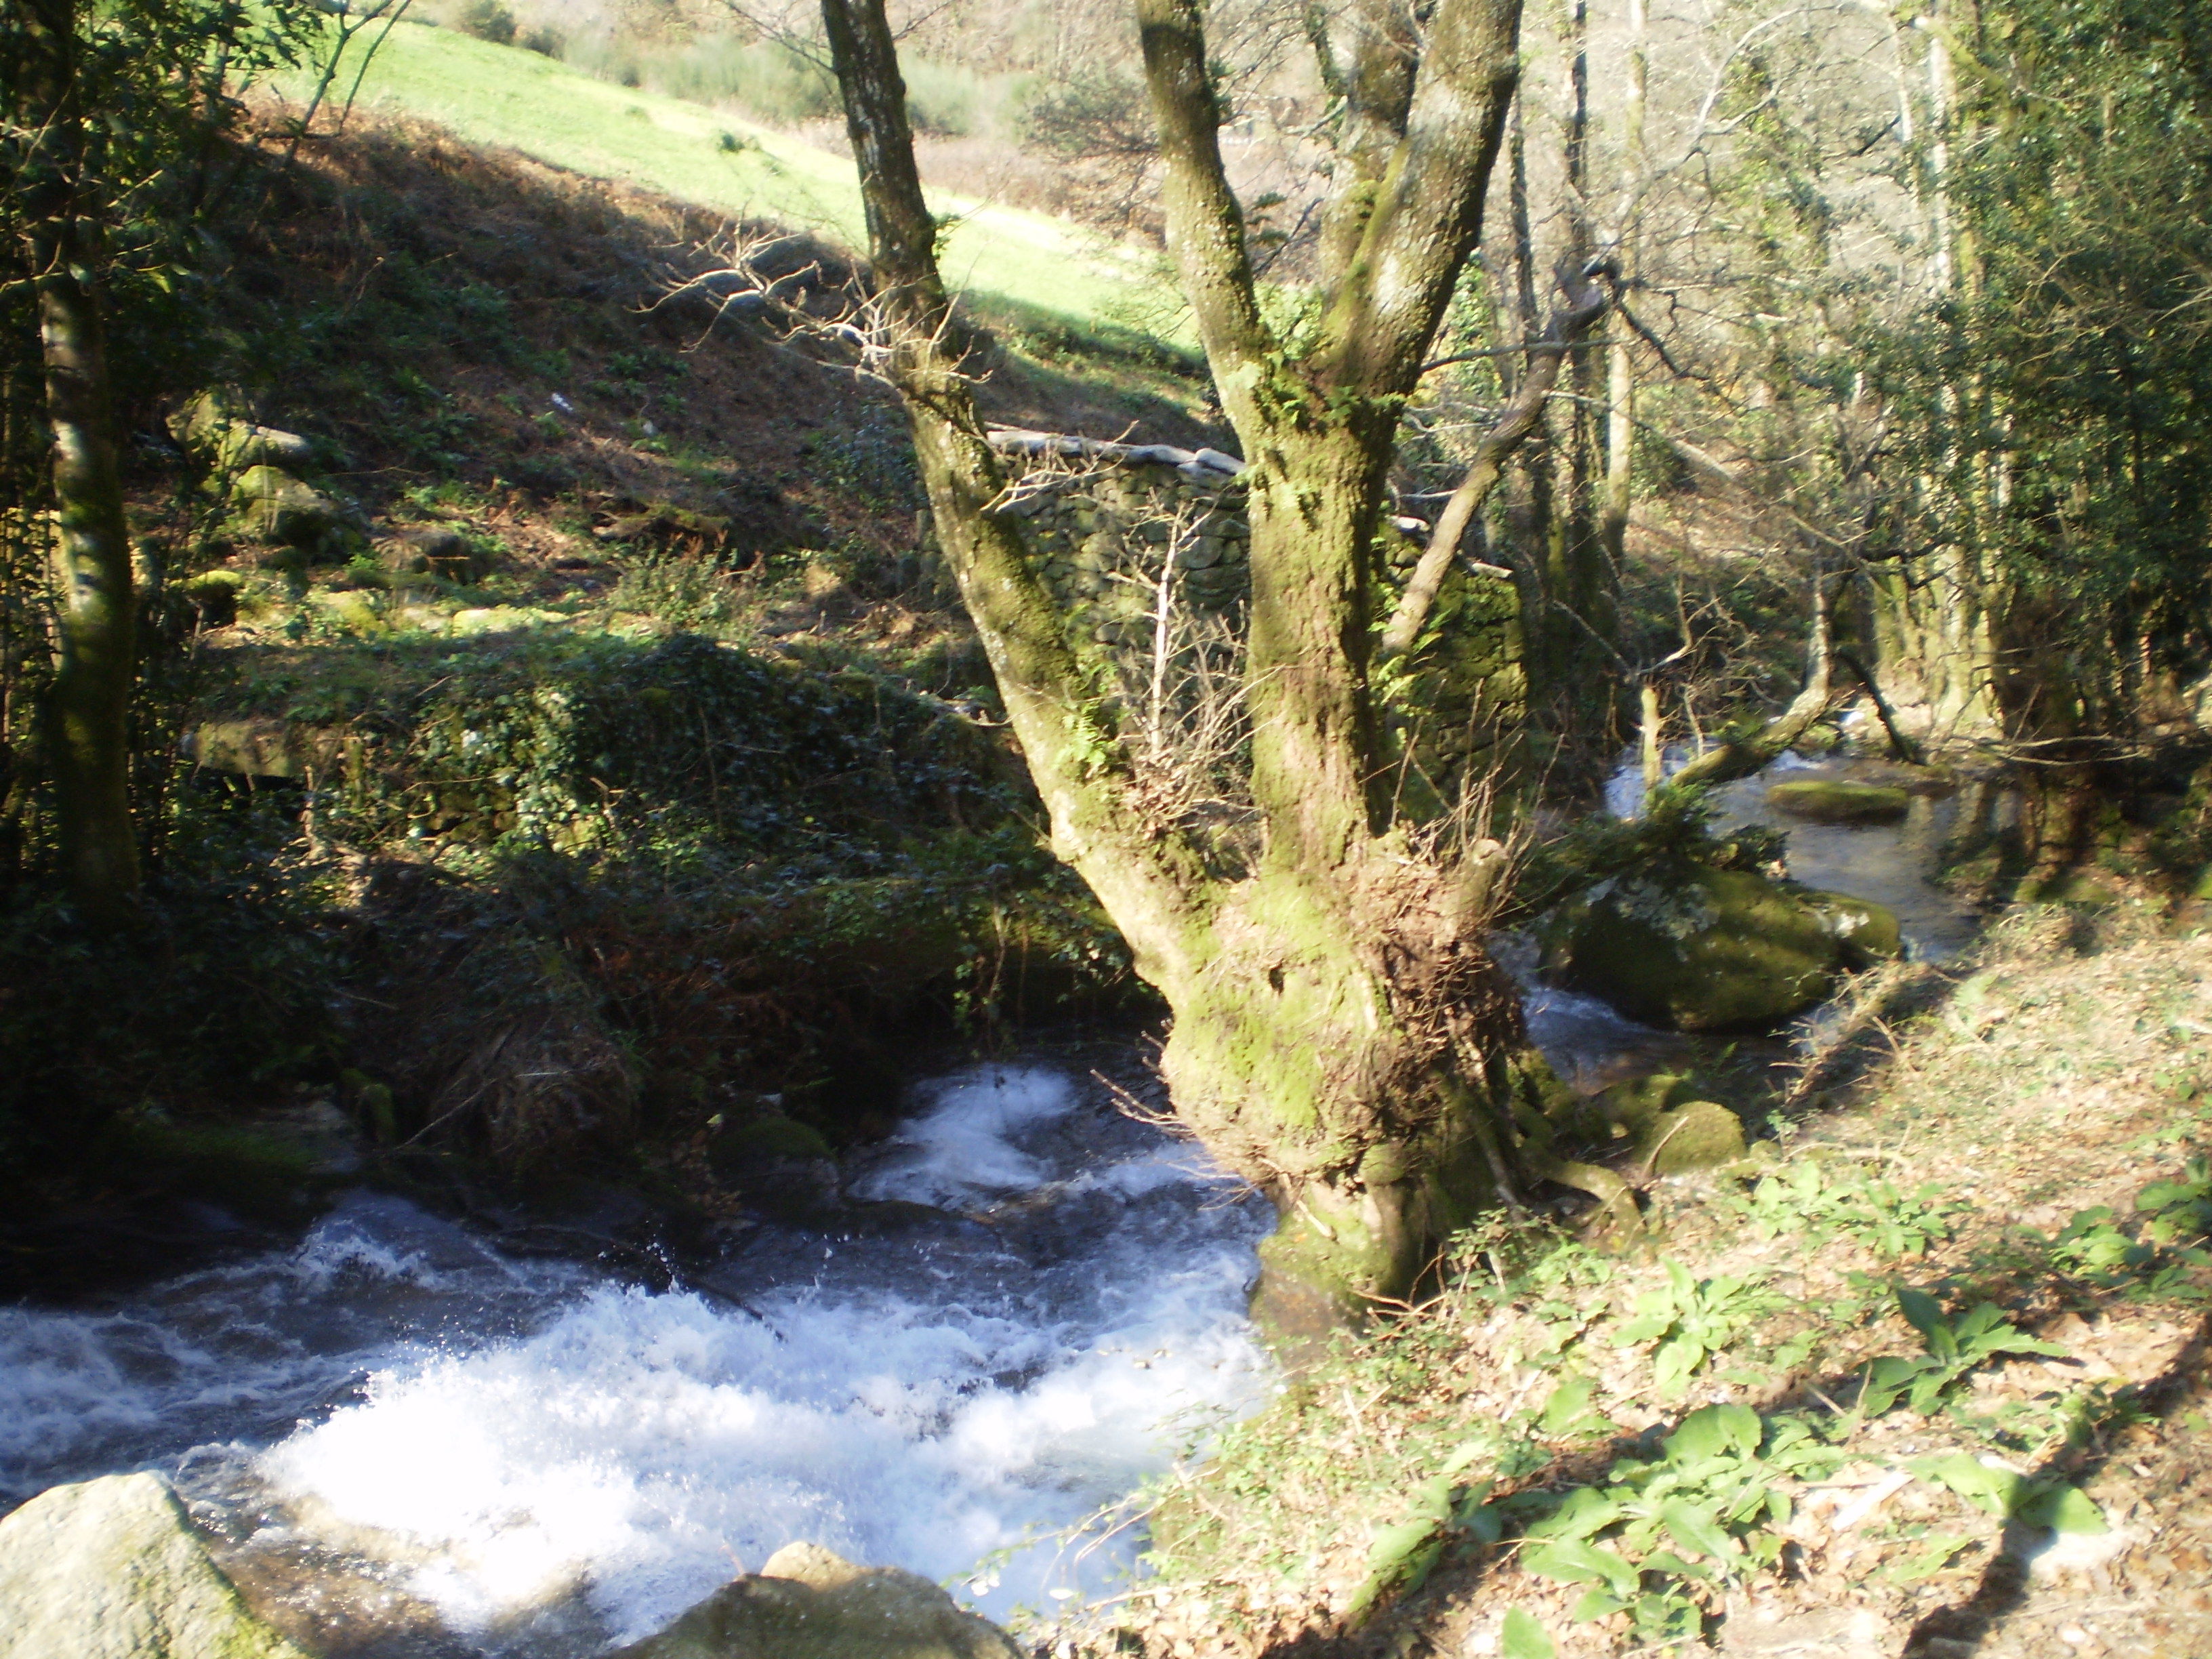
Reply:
x=1340, y=1035
x=87, y=740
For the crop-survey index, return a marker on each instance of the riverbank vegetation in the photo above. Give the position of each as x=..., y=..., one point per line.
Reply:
x=1925, y=1370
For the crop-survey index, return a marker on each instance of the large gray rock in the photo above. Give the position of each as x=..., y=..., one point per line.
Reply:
x=273, y=505
x=210, y=427
x=113, y=1569
x=1838, y=801
x=433, y=549
x=1698, y=949
x=808, y=1603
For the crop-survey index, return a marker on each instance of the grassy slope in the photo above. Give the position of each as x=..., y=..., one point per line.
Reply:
x=2027, y=1132
x=1016, y=266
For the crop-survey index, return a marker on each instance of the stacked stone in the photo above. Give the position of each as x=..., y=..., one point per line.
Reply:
x=1100, y=537
x=1101, y=531
x=1102, y=517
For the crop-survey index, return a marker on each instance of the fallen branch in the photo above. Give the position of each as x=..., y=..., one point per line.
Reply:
x=1587, y=298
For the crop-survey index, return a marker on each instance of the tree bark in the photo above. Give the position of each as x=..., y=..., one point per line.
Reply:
x=95, y=603
x=1340, y=1035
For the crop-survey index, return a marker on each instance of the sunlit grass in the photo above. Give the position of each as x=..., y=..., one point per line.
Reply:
x=1021, y=268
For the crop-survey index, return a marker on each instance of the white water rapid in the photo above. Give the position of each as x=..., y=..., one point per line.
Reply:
x=1039, y=1304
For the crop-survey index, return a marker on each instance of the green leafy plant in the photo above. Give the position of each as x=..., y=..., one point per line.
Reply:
x=1953, y=1349
x=2051, y=1505
x=1520, y=1637
x=1818, y=1199
x=2177, y=1214
x=1691, y=1320
x=1405, y=1552
x=1660, y=1533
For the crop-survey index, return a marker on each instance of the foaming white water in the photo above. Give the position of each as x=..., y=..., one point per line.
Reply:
x=918, y=1387
x=241, y=1350
x=960, y=1148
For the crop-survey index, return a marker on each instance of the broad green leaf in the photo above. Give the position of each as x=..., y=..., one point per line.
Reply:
x=1997, y=1491
x=1568, y=1404
x=1403, y=1553
x=1934, y=1555
x=2064, y=1508
x=1712, y=1430
x=1644, y=1327
x=1921, y=1310
x=1483, y=1522
x=1675, y=1364
x=1984, y=1331
x=1522, y=1637
x=1431, y=1500
x=1576, y=1561
x=1928, y=1389
x=1468, y=1451
x=1886, y=1379
x=1586, y=1510
x=1596, y=1604
x=1694, y=1528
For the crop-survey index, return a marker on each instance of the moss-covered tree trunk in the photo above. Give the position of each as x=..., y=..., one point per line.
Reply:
x=1340, y=1035
x=94, y=601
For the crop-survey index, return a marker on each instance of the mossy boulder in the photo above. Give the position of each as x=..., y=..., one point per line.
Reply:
x=430, y=550
x=1865, y=932
x=112, y=1569
x=1834, y=800
x=778, y=1164
x=1699, y=1134
x=213, y=596
x=1698, y=949
x=256, y=748
x=273, y=505
x=210, y=427
x=1630, y=1106
x=809, y=1603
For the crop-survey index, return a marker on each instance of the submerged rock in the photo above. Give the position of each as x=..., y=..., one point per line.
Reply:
x=780, y=1166
x=111, y=1570
x=1698, y=949
x=1834, y=800
x=809, y=1603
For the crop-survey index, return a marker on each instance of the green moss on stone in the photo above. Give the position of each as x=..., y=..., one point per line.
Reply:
x=1827, y=800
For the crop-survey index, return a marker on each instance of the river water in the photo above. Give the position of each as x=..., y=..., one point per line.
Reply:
x=1038, y=1303
x=427, y=1448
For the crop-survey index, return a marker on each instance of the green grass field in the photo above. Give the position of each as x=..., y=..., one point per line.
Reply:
x=1017, y=268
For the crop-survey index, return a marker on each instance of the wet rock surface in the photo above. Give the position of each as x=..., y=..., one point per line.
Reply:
x=112, y=1569
x=1827, y=800
x=808, y=1602
x=1698, y=949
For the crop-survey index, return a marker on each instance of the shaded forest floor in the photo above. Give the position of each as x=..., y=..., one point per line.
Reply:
x=1925, y=1377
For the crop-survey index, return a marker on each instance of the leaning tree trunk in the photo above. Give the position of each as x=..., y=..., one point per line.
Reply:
x=88, y=749
x=1340, y=1035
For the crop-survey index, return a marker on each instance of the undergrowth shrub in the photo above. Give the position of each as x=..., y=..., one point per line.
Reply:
x=224, y=986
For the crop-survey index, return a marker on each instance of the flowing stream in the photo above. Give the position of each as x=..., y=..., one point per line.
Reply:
x=422, y=1448
x=1892, y=864
x=403, y=1431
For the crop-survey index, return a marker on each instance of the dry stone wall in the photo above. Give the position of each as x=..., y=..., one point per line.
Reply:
x=1108, y=521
